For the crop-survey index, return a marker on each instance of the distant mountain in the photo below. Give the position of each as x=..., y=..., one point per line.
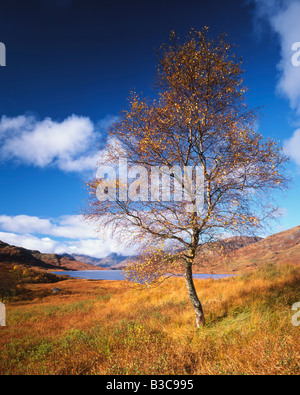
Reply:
x=10, y=254
x=112, y=261
x=242, y=254
x=118, y=261
x=86, y=259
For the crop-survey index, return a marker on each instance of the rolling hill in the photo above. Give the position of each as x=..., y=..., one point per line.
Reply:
x=280, y=248
x=243, y=255
x=13, y=255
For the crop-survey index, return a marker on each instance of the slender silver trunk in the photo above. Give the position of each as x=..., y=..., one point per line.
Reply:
x=200, y=319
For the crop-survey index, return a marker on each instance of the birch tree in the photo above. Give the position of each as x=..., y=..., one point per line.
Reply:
x=199, y=120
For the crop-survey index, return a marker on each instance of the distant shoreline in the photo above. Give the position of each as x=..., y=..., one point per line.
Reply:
x=118, y=275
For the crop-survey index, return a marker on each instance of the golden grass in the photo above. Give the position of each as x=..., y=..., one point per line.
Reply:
x=103, y=327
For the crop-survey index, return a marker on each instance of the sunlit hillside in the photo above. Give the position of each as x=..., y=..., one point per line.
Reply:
x=278, y=249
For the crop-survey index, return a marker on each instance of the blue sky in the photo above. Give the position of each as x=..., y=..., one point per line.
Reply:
x=70, y=66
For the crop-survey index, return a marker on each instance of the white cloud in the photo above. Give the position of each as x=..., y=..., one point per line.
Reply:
x=11, y=124
x=70, y=145
x=75, y=236
x=79, y=165
x=94, y=248
x=283, y=17
x=70, y=227
x=74, y=227
x=40, y=143
x=29, y=242
x=91, y=247
x=292, y=147
x=287, y=25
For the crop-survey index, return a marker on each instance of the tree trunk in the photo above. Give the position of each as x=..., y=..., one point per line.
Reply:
x=200, y=319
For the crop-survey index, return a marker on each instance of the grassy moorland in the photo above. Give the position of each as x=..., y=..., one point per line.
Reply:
x=102, y=327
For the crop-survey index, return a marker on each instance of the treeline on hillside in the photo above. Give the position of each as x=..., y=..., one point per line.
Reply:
x=14, y=278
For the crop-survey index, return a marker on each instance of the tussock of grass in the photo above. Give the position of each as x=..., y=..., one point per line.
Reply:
x=108, y=328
